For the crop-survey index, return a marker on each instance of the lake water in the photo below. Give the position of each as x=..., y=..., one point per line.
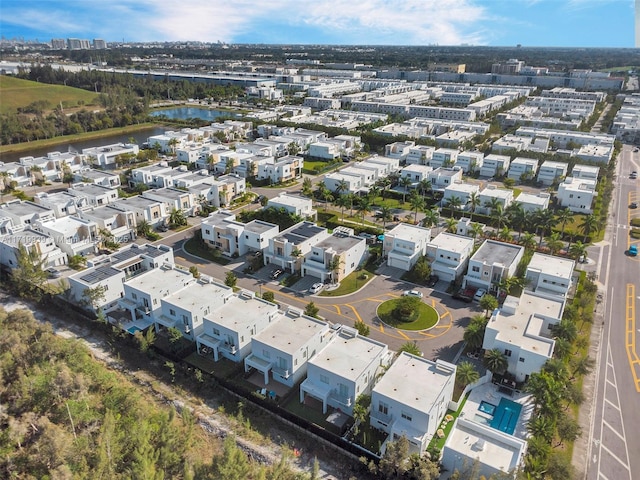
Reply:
x=184, y=113
x=140, y=137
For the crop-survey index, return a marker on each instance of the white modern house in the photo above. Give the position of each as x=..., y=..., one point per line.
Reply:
x=95, y=195
x=404, y=245
x=586, y=172
x=33, y=241
x=522, y=330
x=294, y=204
x=577, y=194
x=399, y=150
x=503, y=196
x=173, y=199
x=282, y=350
x=444, y=157
x=522, y=168
x=150, y=175
x=549, y=274
x=419, y=155
x=367, y=176
x=495, y=165
x=121, y=224
x=187, y=308
x=334, y=180
x=344, y=369
x=449, y=254
x=280, y=170
x=461, y=191
x=25, y=212
x=492, y=262
x=73, y=235
x=97, y=177
x=411, y=399
x=228, y=329
x=61, y=203
x=442, y=177
x=551, y=172
x=347, y=250
x=289, y=247
x=222, y=231
x=416, y=173
x=530, y=202
x=106, y=154
x=470, y=162
x=145, y=209
x=111, y=271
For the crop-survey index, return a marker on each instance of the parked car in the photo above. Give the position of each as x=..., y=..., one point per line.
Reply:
x=315, y=288
x=633, y=205
x=52, y=272
x=412, y=293
x=432, y=280
x=276, y=274
x=633, y=251
x=481, y=292
x=163, y=228
x=633, y=175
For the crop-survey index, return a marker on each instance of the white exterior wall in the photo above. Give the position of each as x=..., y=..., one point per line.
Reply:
x=468, y=159
x=521, y=166
x=577, y=194
x=550, y=171
x=493, y=163
x=332, y=180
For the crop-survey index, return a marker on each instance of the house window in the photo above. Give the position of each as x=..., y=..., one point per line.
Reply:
x=134, y=296
x=521, y=359
x=383, y=408
x=185, y=319
x=216, y=332
x=475, y=269
x=172, y=312
x=406, y=416
x=266, y=353
x=507, y=352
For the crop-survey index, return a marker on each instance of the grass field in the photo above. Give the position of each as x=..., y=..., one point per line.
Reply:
x=15, y=93
x=425, y=317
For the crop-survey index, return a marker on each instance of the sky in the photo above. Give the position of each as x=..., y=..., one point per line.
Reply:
x=531, y=23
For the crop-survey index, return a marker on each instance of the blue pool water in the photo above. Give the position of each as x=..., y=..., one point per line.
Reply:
x=505, y=417
x=486, y=407
x=133, y=330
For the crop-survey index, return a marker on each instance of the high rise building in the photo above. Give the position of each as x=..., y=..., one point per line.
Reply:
x=58, y=44
x=78, y=44
x=99, y=44
x=637, y=23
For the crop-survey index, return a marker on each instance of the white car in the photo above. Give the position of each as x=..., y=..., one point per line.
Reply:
x=412, y=293
x=315, y=288
x=481, y=292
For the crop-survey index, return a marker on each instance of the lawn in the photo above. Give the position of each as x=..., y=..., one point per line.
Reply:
x=369, y=437
x=194, y=247
x=351, y=283
x=16, y=93
x=426, y=316
x=391, y=203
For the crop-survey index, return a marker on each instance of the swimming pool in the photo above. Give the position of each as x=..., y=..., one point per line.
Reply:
x=486, y=407
x=133, y=330
x=505, y=417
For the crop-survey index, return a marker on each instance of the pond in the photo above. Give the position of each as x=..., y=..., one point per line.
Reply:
x=184, y=113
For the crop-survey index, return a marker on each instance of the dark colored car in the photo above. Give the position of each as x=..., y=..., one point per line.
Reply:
x=432, y=280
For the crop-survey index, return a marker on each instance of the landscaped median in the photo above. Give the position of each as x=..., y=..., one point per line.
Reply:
x=408, y=313
x=194, y=246
x=352, y=282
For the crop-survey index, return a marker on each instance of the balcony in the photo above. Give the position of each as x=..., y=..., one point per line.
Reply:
x=284, y=373
x=345, y=400
x=232, y=349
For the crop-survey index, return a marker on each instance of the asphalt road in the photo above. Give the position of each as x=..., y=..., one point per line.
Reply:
x=614, y=436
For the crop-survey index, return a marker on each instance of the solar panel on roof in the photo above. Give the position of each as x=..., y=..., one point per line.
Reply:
x=99, y=274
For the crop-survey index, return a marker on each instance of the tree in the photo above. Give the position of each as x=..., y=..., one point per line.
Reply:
x=67, y=174
x=566, y=330
x=519, y=218
x=417, y=203
x=411, y=347
x=230, y=279
x=364, y=207
x=93, y=296
x=177, y=218
x=77, y=262
x=29, y=276
x=488, y=303
x=563, y=217
x=474, y=202
x=544, y=221
x=405, y=183
x=362, y=328
x=311, y=310
x=333, y=266
x=307, y=187
x=528, y=241
x=233, y=463
x=293, y=148
x=499, y=217
x=193, y=270
x=474, y=333
x=431, y=217
x=341, y=187
x=269, y=296
x=453, y=203
x=421, y=270
x=374, y=192
x=424, y=186
x=505, y=234
x=581, y=366
x=343, y=202
x=568, y=429
x=541, y=426
x=361, y=409
x=174, y=335
x=554, y=243
x=466, y=373
x=384, y=215
x=577, y=250
x=451, y=225
x=397, y=463
x=476, y=230
x=495, y=361
x=492, y=204
x=143, y=228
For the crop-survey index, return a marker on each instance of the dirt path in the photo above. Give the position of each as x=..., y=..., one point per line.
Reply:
x=269, y=451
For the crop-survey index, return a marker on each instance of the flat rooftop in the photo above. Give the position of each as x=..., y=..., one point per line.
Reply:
x=168, y=193
x=289, y=332
x=301, y=232
x=104, y=212
x=532, y=198
x=241, y=311
x=452, y=242
x=411, y=233
x=462, y=187
x=339, y=243
x=161, y=282
x=492, y=253
x=290, y=200
x=90, y=189
x=258, y=226
x=415, y=382
x=497, y=193
x=25, y=237
x=349, y=356
x=99, y=274
x=550, y=265
x=24, y=208
x=200, y=296
x=524, y=327
x=136, y=202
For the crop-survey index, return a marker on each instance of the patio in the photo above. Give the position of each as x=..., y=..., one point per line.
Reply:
x=311, y=410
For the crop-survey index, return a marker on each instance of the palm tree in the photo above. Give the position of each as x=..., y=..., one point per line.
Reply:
x=424, y=186
x=412, y=348
x=431, y=217
x=474, y=202
x=343, y=202
x=495, y=361
x=505, y=234
x=518, y=217
x=341, y=187
x=143, y=228
x=577, y=250
x=499, y=217
x=4, y=180
x=581, y=366
x=417, y=203
x=333, y=266
x=364, y=207
x=528, y=241
x=177, y=218
x=383, y=184
x=492, y=204
x=476, y=230
x=566, y=329
x=554, y=242
x=374, y=192
x=307, y=187
x=453, y=203
x=543, y=220
x=466, y=373
x=488, y=303
x=588, y=225
x=562, y=217
x=474, y=335
x=384, y=215
x=452, y=225
x=405, y=182
x=540, y=426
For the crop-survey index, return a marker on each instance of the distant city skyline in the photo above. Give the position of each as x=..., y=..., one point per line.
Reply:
x=530, y=23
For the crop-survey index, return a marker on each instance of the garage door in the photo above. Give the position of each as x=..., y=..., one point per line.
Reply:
x=398, y=263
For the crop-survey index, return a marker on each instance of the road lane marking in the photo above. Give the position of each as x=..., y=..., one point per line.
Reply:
x=612, y=429
x=616, y=457
x=338, y=309
x=630, y=334
x=355, y=312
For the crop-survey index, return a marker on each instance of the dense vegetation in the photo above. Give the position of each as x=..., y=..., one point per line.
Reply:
x=66, y=415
